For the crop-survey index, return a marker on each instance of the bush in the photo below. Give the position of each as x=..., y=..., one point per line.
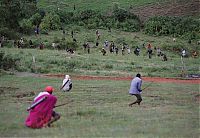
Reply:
x=87, y=14
x=51, y=21
x=64, y=44
x=26, y=26
x=7, y=62
x=66, y=17
x=164, y=25
x=8, y=33
x=36, y=19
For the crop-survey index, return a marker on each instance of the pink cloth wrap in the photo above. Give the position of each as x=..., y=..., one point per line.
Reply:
x=42, y=113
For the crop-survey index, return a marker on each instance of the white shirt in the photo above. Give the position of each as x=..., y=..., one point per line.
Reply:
x=66, y=87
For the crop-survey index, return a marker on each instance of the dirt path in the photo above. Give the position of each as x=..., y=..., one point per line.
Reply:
x=81, y=77
x=153, y=79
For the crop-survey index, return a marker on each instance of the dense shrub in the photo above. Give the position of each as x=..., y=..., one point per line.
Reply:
x=9, y=33
x=164, y=25
x=7, y=62
x=36, y=19
x=64, y=44
x=51, y=21
x=26, y=26
x=87, y=14
x=65, y=16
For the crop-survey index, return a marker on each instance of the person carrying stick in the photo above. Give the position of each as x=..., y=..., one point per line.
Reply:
x=41, y=113
x=135, y=89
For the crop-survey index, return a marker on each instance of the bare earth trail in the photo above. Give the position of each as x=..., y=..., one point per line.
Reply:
x=88, y=77
x=149, y=79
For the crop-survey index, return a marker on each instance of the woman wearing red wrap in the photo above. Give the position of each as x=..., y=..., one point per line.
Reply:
x=41, y=112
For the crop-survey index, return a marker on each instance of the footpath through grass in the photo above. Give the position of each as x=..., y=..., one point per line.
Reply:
x=100, y=109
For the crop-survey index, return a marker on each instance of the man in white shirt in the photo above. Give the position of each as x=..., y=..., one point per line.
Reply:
x=135, y=89
x=67, y=84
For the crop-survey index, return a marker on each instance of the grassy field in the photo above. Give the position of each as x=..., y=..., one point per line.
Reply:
x=100, y=109
x=54, y=61
x=100, y=5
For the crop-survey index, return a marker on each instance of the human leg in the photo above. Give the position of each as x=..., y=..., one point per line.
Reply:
x=139, y=99
x=55, y=117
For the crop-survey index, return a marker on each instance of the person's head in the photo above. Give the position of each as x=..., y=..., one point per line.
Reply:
x=138, y=75
x=49, y=89
x=67, y=77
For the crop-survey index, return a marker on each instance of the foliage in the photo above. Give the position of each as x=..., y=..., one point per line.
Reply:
x=51, y=21
x=9, y=33
x=12, y=11
x=176, y=26
x=36, y=19
x=26, y=26
x=65, y=16
x=87, y=14
x=7, y=62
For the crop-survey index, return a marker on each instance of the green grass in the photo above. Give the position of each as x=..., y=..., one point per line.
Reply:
x=54, y=61
x=100, y=5
x=100, y=109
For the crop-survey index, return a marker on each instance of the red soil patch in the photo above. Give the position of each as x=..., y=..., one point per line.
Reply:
x=170, y=8
x=151, y=79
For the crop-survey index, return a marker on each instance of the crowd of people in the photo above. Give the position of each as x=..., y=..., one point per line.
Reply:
x=106, y=46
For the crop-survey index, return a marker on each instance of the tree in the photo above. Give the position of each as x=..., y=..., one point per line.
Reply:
x=13, y=11
x=51, y=21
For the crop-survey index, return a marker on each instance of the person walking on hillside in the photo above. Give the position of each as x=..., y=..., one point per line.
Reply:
x=103, y=51
x=41, y=112
x=135, y=89
x=149, y=50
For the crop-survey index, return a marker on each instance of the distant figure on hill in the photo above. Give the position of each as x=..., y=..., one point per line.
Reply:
x=74, y=7
x=137, y=51
x=149, y=50
x=183, y=53
x=97, y=34
x=37, y=30
x=123, y=49
x=41, y=46
x=116, y=50
x=106, y=44
x=158, y=51
x=70, y=51
x=63, y=31
x=72, y=34
x=164, y=57
x=194, y=54
x=84, y=47
x=135, y=89
x=97, y=43
x=174, y=39
x=21, y=43
x=109, y=29
x=103, y=51
x=111, y=47
x=88, y=48
x=128, y=50
x=74, y=40
x=31, y=44
x=1, y=44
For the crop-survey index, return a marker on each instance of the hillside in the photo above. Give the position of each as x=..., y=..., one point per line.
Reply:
x=172, y=8
x=143, y=8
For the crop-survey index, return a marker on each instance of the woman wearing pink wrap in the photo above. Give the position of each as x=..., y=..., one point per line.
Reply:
x=41, y=112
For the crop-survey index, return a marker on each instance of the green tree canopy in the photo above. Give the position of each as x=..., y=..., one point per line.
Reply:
x=13, y=11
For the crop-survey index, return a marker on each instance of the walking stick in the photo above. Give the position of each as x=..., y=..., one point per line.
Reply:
x=147, y=86
x=62, y=104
